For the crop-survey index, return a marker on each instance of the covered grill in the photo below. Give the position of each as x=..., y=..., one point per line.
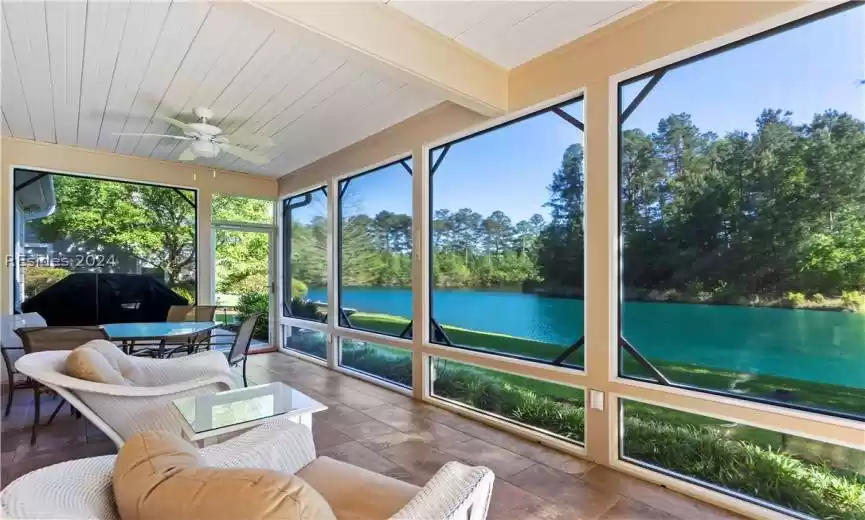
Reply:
x=98, y=298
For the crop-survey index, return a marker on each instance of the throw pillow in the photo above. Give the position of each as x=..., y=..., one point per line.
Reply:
x=88, y=364
x=158, y=475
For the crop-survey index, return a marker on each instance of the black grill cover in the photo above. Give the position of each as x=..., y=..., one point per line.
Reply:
x=99, y=298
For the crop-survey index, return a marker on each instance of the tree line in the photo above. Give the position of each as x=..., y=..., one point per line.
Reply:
x=778, y=209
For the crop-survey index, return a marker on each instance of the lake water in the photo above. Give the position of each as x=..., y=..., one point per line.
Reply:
x=819, y=346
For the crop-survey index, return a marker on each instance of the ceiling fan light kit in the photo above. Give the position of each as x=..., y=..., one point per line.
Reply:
x=207, y=141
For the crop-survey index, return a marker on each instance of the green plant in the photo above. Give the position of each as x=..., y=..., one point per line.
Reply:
x=37, y=279
x=818, y=298
x=853, y=300
x=254, y=302
x=298, y=289
x=185, y=293
x=303, y=308
x=795, y=299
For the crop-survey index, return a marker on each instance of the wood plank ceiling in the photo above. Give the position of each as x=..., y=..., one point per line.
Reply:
x=76, y=73
x=511, y=33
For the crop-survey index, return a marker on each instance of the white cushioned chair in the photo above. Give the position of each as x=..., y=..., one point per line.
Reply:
x=82, y=489
x=121, y=411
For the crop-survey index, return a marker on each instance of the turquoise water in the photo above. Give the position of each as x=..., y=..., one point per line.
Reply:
x=820, y=346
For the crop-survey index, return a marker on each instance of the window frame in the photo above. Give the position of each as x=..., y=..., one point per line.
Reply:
x=13, y=242
x=444, y=144
x=285, y=222
x=654, y=73
x=339, y=323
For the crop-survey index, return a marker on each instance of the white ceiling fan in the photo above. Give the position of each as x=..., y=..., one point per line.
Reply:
x=208, y=141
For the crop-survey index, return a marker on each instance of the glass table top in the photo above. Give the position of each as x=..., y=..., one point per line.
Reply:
x=234, y=407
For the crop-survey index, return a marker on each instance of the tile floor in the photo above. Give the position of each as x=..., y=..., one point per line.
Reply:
x=389, y=433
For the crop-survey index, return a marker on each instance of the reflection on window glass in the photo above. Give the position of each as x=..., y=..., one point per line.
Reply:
x=375, y=250
x=305, y=255
x=743, y=218
x=507, y=238
x=551, y=407
x=809, y=477
x=233, y=208
x=381, y=361
x=138, y=239
x=308, y=341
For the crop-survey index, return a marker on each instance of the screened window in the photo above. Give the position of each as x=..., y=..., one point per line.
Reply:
x=384, y=362
x=304, y=255
x=742, y=215
x=308, y=341
x=375, y=245
x=234, y=208
x=550, y=407
x=785, y=472
x=75, y=227
x=507, y=238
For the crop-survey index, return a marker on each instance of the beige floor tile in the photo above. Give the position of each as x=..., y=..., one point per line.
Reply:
x=480, y=453
x=355, y=453
x=561, y=488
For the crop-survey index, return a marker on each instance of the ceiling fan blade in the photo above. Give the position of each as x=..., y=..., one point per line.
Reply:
x=248, y=140
x=174, y=122
x=187, y=155
x=243, y=153
x=166, y=136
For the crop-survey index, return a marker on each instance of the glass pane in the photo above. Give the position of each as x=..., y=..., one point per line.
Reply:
x=375, y=249
x=388, y=363
x=742, y=219
x=242, y=209
x=507, y=234
x=308, y=341
x=305, y=262
x=242, y=281
x=73, y=235
x=551, y=407
x=802, y=475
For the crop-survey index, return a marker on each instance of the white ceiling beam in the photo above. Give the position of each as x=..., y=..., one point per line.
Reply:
x=415, y=52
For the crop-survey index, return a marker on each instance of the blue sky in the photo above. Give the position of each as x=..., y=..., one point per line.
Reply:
x=808, y=70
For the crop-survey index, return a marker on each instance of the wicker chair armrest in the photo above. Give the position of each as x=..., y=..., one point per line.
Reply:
x=455, y=492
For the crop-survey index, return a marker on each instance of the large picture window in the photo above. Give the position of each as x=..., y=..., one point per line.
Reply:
x=73, y=235
x=742, y=215
x=304, y=255
x=507, y=238
x=375, y=245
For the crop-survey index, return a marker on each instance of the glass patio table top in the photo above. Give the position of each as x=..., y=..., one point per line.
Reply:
x=156, y=330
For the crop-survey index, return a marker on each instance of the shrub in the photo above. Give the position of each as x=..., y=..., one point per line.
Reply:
x=818, y=298
x=794, y=299
x=303, y=308
x=298, y=289
x=250, y=303
x=37, y=279
x=702, y=452
x=853, y=300
x=185, y=293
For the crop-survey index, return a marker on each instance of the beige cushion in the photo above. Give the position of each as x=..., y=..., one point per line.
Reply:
x=115, y=357
x=159, y=476
x=355, y=493
x=88, y=364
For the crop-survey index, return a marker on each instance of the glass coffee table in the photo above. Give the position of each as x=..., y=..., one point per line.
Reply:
x=205, y=417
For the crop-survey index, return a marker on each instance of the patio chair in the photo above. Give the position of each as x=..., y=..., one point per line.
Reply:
x=242, y=340
x=11, y=348
x=47, y=339
x=82, y=489
x=122, y=411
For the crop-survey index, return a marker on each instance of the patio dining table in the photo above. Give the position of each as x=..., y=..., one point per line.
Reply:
x=164, y=332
